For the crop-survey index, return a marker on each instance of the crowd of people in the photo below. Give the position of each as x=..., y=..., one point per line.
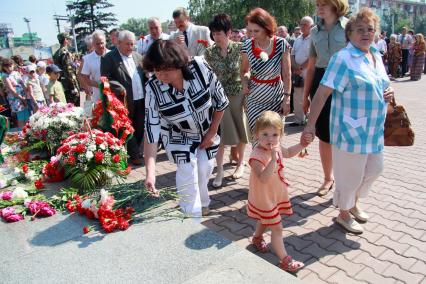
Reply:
x=200, y=89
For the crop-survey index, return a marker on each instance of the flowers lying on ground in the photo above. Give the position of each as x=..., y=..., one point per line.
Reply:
x=101, y=208
x=14, y=205
x=52, y=124
x=10, y=214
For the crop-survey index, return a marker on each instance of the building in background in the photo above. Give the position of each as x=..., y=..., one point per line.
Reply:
x=6, y=35
x=386, y=8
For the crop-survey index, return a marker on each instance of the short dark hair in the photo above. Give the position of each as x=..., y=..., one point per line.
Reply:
x=167, y=54
x=180, y=11
x=32, y=59
x=220, y=22
x=263, y=19
x=113, y=30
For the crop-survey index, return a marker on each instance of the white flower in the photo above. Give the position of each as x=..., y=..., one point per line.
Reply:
x=264, y=56
x=3, y=183
x=31, y=175
x=102, y=146
x=86, y=203
x=92, y=147
x=89, y=155
x=104, y=196
x=20, y=193
x=14, y=182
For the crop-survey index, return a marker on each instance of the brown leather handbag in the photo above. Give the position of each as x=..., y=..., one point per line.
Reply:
x=398, y=131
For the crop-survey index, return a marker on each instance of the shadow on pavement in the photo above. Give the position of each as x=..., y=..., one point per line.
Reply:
x=206, y=239
x=69, y=229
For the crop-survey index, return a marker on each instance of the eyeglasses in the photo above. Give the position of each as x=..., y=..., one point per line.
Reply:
x=362, y=31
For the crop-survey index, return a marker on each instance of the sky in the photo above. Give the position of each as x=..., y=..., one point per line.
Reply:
x=41, y=14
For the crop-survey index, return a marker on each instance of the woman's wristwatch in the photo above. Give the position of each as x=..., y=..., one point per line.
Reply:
x=287, y=97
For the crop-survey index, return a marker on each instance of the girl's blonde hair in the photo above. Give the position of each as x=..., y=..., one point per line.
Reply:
x=268, y=119
x=340, y=7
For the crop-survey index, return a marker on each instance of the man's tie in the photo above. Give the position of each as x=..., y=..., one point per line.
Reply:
x=186, y=38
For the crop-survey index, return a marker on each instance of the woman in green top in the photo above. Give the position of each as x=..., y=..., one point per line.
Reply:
x=327, y=38
x=225, y=58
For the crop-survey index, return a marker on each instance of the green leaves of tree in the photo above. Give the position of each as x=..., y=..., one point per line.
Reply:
x=287, y=12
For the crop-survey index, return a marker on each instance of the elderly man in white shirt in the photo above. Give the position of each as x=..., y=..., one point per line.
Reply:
x=155, y=32
x=91, y=71
x=299, y=62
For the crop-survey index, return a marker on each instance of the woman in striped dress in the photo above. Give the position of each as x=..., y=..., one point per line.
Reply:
x=265, y=67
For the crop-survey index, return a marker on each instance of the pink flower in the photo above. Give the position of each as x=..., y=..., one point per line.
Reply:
x=40, y=208
x=6, y=195
x=9, y=215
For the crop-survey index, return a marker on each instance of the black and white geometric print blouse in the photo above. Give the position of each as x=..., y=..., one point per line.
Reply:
x=183, y=118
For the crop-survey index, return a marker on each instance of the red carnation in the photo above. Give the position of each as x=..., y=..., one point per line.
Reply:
x=99, y=156
x=116, y=158
x=123, y=224
x=257, y=51
x=86, y=230
x=70, y=206
x=80, y=148
x=25, y=168
x=203, y=42
x=70, y=160
x=82, y=135
x=98, y=140
x=89, y=214
x=39, y=184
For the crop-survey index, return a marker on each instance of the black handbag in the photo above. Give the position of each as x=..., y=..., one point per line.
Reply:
x=297, y=81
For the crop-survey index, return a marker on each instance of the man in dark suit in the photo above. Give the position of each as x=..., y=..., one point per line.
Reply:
x=124, y=66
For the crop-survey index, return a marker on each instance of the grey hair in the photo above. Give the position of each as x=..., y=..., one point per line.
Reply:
x=88, y=40
x=98, y=34
x=393, y=36
x=283, y=28
x=153, y=20
x=125, y=34
x=307, y=19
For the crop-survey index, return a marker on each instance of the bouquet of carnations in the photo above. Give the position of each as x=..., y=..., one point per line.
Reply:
x=14, y=205
x=50, y=125
x=111, y=115
x=91, y=159
x=101, y=208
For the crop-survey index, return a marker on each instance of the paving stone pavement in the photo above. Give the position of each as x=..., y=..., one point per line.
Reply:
x=393, y=247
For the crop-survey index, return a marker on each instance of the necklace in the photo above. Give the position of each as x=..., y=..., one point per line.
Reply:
x=267, y=48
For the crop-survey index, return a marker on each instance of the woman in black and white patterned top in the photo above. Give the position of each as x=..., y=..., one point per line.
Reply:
x=265, y=67
x=184, y=105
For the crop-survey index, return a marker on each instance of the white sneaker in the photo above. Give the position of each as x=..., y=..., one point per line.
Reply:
x=359, y=214
x=351, y=225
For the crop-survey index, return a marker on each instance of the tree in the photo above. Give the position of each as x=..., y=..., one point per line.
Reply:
x=138, y=26
x=287, y=12
x=90, y=15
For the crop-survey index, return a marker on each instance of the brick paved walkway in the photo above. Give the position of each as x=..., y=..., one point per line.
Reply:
x=393, y=247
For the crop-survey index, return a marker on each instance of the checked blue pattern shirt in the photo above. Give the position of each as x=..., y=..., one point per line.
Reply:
x=358, y=110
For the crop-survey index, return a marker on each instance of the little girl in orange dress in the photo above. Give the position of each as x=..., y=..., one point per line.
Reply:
x=268, y=195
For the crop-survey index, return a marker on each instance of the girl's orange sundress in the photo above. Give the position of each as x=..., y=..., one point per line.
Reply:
x=267, y=201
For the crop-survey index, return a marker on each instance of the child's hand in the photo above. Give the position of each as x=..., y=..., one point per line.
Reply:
x=306, y=139
x=275, y=150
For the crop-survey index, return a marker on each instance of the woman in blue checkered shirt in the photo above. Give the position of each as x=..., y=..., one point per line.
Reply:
x=358, y=82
